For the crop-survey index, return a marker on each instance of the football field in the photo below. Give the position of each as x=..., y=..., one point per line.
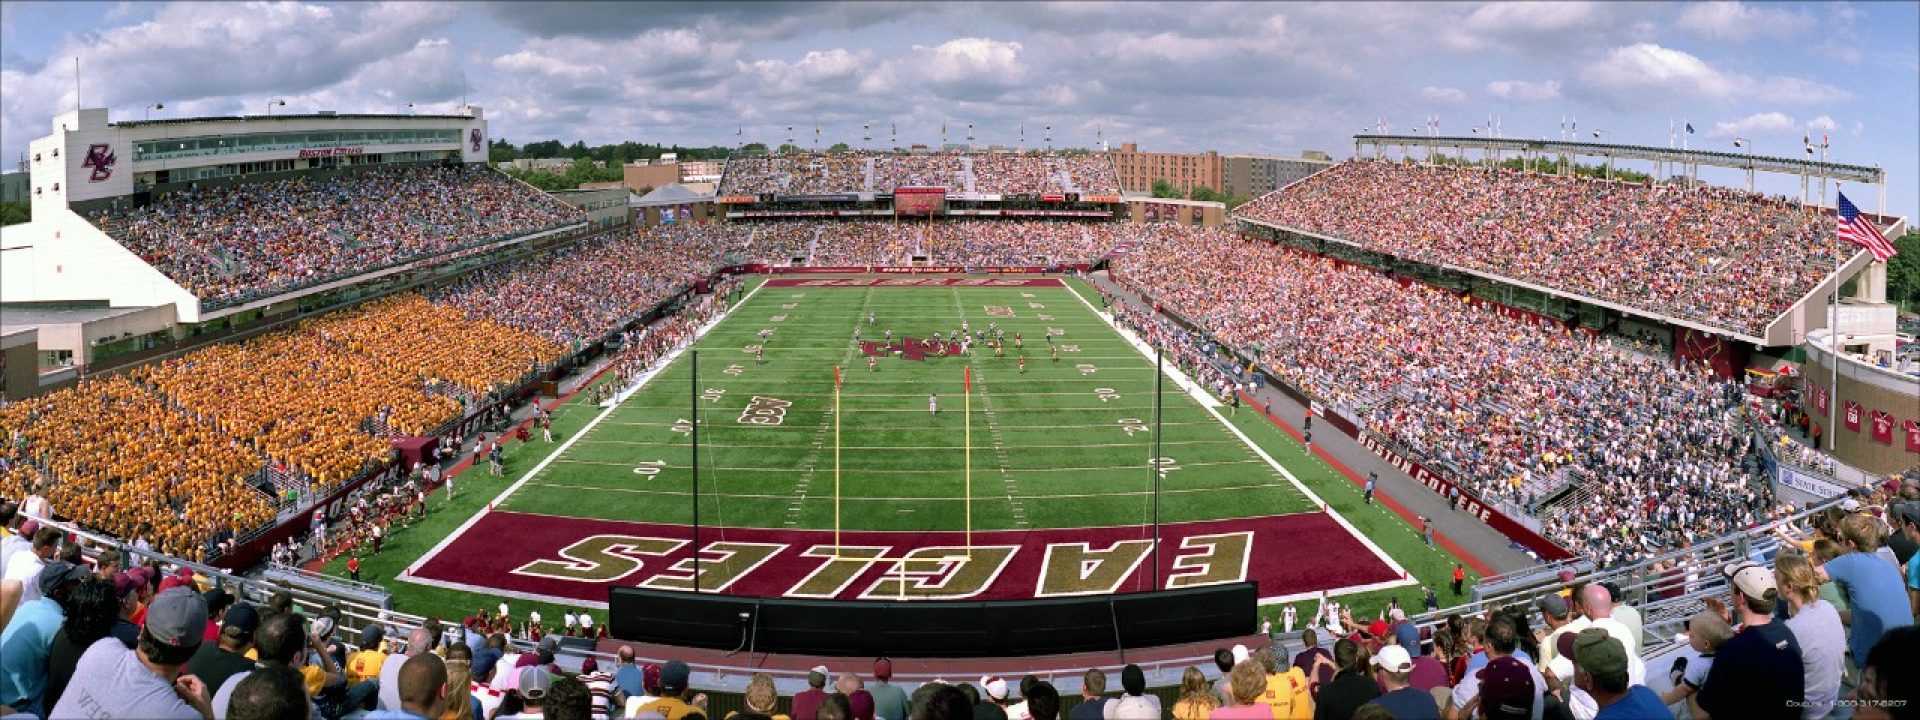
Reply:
x=834, y=431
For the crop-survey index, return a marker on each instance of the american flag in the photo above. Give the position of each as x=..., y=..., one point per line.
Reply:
x=1857, y=229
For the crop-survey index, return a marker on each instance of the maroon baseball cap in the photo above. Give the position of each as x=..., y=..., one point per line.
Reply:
x=1506, y=689
x=883, y=668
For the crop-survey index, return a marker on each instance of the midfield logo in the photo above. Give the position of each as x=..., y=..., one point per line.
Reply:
x=100, y=159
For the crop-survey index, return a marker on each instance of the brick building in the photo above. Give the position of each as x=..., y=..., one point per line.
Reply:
x=1185, y=171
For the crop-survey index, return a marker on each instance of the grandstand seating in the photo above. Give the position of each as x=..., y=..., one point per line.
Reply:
x=229, y=244
x=990, y=173
x=1503, y=403
x=1725, y=258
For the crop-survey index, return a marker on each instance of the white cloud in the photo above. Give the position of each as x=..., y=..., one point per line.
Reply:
x=1443, y=94
x=1524, y=90
x=1635, y=73
x=966, y=59
x=1824, y=122
x=1767, y=123
x=1739, y=21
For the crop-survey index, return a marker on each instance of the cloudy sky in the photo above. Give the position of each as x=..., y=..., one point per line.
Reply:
x=1271, y=78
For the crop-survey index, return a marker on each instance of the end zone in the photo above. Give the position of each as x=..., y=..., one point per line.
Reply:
x=576, y=560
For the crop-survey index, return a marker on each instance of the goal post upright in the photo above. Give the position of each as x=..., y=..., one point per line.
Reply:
x=966, y=420
x=836, y=461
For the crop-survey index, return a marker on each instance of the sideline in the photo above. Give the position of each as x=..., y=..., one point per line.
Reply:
x=610, y=407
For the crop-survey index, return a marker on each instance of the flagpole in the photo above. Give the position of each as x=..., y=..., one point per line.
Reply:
x=1833, y=327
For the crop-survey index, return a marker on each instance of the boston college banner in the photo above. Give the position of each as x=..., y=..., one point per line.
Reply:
x=1820, y=400
x=1882, y=427
x=1913, y=436
x=1851, y=415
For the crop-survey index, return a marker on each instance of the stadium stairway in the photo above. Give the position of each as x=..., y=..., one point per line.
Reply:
x=1483, y=549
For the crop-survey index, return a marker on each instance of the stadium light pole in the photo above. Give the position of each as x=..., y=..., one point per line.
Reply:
x=273, y=102
x=150, y=108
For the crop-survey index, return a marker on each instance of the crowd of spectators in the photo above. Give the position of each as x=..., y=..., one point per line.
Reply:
x=987, y=172
x=227, y=244
x=582, y=291
x=171, y=453
x=116, y=457
x=1720, y=256
x=1500, y=403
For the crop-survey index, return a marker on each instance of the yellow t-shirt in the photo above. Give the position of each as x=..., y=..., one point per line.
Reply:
x=364, y=665
x=1288, y=695
x=315, y=679
x=671, y=708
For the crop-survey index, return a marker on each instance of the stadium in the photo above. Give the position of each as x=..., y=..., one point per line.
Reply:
x=944, y=411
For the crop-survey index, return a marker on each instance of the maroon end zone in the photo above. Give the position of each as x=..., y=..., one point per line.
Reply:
x=576, y=559
x=914, y=282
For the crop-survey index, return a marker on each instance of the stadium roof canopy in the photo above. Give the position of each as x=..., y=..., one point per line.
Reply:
x=671, y=194
x=1738, y=161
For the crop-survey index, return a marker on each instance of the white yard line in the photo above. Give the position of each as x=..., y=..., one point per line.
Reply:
x=568, y=443
x=1200, y=394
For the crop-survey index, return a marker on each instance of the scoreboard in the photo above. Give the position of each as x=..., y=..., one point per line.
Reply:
x=919, y=201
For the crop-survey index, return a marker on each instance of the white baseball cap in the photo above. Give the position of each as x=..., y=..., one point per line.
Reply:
x=1393, y=658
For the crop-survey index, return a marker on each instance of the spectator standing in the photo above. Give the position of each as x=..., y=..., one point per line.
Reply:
x=1816, y=627
x=1391, y=668
x=1509, y=690
x=806, y=703
x=889, y=701
x=1135, y=704
x=28, y=639
x=672, y=703
x=1404, y=633
x=273, y=692
x=1351, y=687
x=17, y=586
x=1196, y=698
x=1706, y=632
x=112, y=681
x=1224, y=659
x=1600, y=670
x=1093, y=703
x=423, y=689
x=1502, y=642
x=760, y=698
x=1248, y=681
x=860, y=702
x=1315, y=662
x=1757, y=673
x=1882, y=695
x=215, y=662
x=1874, y=589
x=90, y=611
x=387, y=683
x=988, y=700
x=599, y=685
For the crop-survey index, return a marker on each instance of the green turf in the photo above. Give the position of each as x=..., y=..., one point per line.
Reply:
x=792, y=356
x=1051, y=447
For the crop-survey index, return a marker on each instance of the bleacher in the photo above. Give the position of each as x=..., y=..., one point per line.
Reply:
x=234, y=243
x=996, y=173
